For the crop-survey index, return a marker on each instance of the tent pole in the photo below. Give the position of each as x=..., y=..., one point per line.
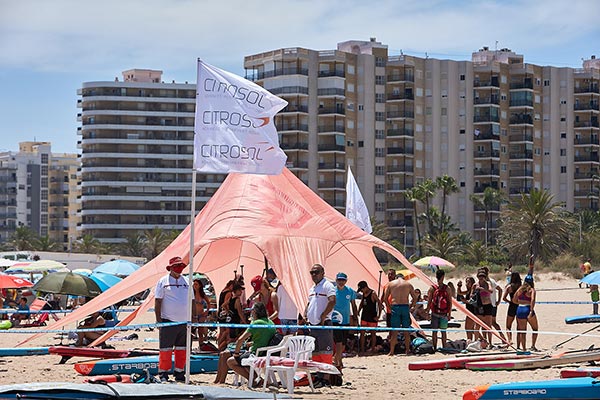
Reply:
x=188, y=339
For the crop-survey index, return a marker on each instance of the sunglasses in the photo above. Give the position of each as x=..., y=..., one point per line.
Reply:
x=315, y=272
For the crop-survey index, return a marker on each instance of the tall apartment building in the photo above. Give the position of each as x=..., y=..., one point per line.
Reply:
x=136, y=156
x=31, y=196
x=396, y=120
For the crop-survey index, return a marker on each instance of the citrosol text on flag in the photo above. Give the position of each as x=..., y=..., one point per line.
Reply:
x=234, y=128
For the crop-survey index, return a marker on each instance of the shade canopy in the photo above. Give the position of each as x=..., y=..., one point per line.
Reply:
x=253, y=218
x=67, y=283
x=592, y=279
x=117, y=267
x=37, y=266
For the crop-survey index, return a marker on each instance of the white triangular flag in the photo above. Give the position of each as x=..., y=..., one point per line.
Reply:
x=356, y=209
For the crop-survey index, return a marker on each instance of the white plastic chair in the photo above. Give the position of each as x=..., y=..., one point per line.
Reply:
x=258, y=371
x=297, y=348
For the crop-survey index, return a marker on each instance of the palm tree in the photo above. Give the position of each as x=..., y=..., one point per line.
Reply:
x=476, y=252
x=155, y=241
x=535, y=224
x=23, y=239
x=428, y=189
x=413, y=195
x=44, y=243
x=490, y=200
x=134, y=246
x=87, y=244
x=444, y=245
x=448, y=186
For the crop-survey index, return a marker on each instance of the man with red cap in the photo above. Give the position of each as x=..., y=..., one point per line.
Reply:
x=171, y=305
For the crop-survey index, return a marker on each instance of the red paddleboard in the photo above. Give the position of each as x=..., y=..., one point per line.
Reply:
x=69, y=351
x=460, y=362
x=580, y=372
x=104, y=379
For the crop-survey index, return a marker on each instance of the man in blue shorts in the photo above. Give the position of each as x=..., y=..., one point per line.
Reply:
x=396, y=297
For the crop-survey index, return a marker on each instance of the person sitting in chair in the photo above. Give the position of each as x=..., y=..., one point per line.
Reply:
x=93, y=321
x=23, y=307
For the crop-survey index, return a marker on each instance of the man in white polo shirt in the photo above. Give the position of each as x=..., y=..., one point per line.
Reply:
x=171, y=305
x=321, y=301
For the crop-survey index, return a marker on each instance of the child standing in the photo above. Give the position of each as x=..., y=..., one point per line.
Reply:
x=595, y=296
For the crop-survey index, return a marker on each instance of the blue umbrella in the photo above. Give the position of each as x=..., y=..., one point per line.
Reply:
x=592, y=279
x=105, y=281
x=117, y=267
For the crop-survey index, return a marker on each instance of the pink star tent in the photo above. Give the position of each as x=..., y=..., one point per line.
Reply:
x=256, y=217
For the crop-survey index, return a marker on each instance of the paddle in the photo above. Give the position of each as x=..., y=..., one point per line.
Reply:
x=576, y=336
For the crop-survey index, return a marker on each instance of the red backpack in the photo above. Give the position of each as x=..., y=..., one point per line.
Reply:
x=440, y=303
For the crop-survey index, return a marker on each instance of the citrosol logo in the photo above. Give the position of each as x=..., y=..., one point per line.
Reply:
x=241, y=93
x=236, y=119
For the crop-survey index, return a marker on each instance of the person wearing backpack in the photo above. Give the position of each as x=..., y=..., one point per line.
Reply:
x=440, y=306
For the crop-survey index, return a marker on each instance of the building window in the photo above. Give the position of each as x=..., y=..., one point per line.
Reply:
x=379, y=152
x=379, y=97
x=379, y=206
x=361, y=143
x=360, y=107
x=546, y=82
x=444, y=111
x=379, y=134
x=462, y=77
x=462, y=184
x=462, y=131
x=563, y=119
x=379, y=80
x=379, y=188
x=379, y=62
x=563, y=152
x=379, y=170
x=379, y=116
x=563, y=169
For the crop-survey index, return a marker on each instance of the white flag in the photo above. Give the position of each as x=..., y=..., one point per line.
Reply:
x=234, y=128
x=356, y=209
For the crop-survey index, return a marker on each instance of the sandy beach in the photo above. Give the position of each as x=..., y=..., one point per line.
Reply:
x=381, y=376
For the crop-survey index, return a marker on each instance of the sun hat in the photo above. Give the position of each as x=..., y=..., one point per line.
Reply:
x=175, y=262
x=342, y=276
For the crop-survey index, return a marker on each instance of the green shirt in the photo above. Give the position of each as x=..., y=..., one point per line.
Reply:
x=261, y=336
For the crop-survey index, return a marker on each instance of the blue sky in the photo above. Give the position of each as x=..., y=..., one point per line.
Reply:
x=50, y=47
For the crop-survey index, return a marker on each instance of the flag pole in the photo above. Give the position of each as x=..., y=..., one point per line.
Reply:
x=188, y=333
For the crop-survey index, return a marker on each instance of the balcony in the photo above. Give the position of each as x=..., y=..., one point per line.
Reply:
x=522, y=137
x=491, y=83
x=521, y=103
x=586, y=124
x=587, y=107
x=490, y=208
x=486, y=171
x=481, y=188
x=294, y=108
x=402, y=204
x=486, y=118
x=487, y=100
x=586, y=140
x=528, y=84
x=332, y=185
x=294, y=146
x=400, y=132
x=289, y=90
x=587, y=89
x=399, y=186
x=277, y=72
x=297, y=164
x=521, y=119
x=331, y=128
x=484, y=225
x=332, y=165
x=332, y=110
x=400, y=96
x=331, y=92
x=520, y=173
x=331, y=147
x=585, y=175
x=401, y=114
x=326, y=74
x=399, y=168
x=400, y=150
x=587, y=158
x=489, y=135
x=486, y=154
x=292, y=127
x=516, y=155
x=400, y=78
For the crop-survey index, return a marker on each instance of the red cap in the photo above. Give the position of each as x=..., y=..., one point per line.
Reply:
x=175, y=261
x=256, y=282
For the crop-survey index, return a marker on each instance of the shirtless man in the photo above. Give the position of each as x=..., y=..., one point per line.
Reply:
x=396, y=298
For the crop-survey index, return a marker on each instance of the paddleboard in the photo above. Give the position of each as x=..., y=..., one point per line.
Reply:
x=124, y=391
x=199, y=364
x=557, y=389
x=580, y=372
x=582, y=319
x=534, y=363
x=69, y=351
x=22, y=351
x=460, y=362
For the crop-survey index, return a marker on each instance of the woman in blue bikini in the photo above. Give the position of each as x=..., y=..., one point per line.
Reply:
x=525, y=298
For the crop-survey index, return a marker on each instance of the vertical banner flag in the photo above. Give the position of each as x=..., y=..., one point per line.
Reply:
x=234, y=127
x=356, y=209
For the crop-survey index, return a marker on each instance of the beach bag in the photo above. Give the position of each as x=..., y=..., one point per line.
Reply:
x=441, y=305
x=422, y=346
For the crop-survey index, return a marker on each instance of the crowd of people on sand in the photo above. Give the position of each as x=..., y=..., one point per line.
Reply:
x=335, y=303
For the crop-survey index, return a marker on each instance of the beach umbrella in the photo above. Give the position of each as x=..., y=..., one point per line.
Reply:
x=37, y=266
x=82, y=271
x=433, y=263
x=406, y=274
x=105, y=281
x=68, y=283
x=117, y=267
x=13, y=282
x=592, y=279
